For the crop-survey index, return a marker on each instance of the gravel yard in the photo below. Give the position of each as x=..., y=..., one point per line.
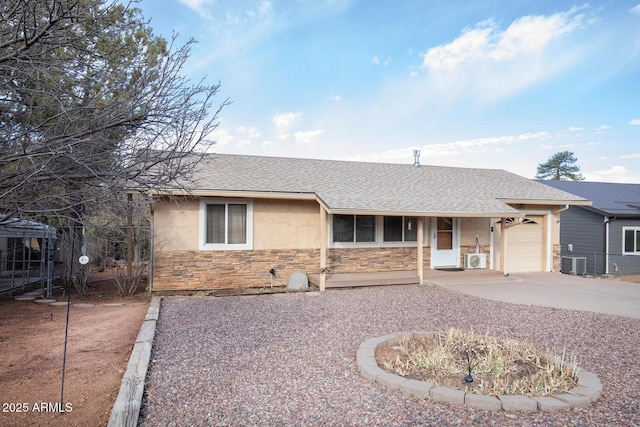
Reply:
x=290, y=359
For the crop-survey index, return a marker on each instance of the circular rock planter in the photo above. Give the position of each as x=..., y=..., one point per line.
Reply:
x=588, y=390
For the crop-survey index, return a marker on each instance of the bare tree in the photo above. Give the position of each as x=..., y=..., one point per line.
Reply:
x=92, y=103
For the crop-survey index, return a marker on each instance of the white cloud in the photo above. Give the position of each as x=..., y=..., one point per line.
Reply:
x=456, y=148
x=486, y=42
x=251, y=132
x=308, y=137
x=469, y=47
x=603, y=127
x=487, y=63
x=575, y=129
x=631, y=156
x=613, y=174
x=635, y=9
x=263, y=8
x=532, y=33
x=635, y=122
x=223, y=137
x=284, y=121
x=377, y=61
x=335, y=97
x=198, y=6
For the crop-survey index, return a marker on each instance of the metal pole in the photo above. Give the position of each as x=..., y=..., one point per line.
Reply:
x=13, y=262
x=43, y=254
x=129, y=239
x=66, y=330
x=30, y=252
x=50, y=262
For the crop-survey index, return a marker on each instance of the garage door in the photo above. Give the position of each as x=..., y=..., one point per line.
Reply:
x=524, y=246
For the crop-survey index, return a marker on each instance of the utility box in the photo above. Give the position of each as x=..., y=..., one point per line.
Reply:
x=574, y=265
x=473, y=261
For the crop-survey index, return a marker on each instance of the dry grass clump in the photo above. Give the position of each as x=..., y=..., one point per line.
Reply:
x=504, y=367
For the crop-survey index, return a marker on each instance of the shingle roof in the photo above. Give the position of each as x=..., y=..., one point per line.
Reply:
x=377, y=187
x=608, y=198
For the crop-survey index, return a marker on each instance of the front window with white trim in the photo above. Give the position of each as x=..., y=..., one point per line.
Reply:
x=354, y=228
x=400, y=229
x=631, y=240
x=226, y=224
x=372, y=230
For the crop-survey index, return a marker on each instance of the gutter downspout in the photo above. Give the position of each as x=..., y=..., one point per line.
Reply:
x=607, y=220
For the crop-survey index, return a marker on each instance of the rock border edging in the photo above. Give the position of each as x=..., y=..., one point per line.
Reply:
x=589, y=387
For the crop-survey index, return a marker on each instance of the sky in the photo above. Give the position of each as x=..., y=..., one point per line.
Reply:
x=500, y=84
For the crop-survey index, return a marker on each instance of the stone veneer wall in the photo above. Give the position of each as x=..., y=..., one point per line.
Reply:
x=209, y=270
x=200, y=270
x=371, y=260
x=557, y=260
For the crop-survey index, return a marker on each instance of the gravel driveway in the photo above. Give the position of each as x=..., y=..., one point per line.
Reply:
x=290, y=359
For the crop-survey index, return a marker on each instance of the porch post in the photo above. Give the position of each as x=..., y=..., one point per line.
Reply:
x=503, y=245
x=420, y=266
x=323, y=248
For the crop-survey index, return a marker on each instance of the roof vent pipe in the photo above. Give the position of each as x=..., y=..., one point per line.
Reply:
x=416, y=158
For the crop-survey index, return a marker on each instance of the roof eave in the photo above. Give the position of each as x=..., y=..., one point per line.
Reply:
x=503, y=214
x=547, y=202
x=247, y=194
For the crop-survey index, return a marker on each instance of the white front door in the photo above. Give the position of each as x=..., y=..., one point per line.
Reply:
x=445, y=249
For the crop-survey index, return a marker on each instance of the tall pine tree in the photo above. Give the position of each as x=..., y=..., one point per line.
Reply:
x=560, y=167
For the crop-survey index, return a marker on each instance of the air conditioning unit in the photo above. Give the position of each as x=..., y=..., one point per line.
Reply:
x=472, y=261
x=574, y=265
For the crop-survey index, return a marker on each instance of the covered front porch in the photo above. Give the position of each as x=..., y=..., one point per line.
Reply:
x=405, y=277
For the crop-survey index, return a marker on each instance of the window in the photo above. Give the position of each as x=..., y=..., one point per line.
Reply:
x=631, y=241
x=354, y=228
x=372, y=230
x=445, y=233
x=400, y=229
x=226, y=224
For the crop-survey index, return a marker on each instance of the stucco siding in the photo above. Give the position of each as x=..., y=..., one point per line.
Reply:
x=175, y=225
x=286, y=224
x=472, y=227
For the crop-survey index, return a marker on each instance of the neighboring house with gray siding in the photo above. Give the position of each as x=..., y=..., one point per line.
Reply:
x=607, y=233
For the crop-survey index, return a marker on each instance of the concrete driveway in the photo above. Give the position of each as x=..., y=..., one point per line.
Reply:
x=553, y=290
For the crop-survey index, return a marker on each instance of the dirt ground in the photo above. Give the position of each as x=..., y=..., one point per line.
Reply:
x=98, y=348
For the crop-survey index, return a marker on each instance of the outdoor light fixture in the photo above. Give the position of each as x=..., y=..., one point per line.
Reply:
x=468, y=378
